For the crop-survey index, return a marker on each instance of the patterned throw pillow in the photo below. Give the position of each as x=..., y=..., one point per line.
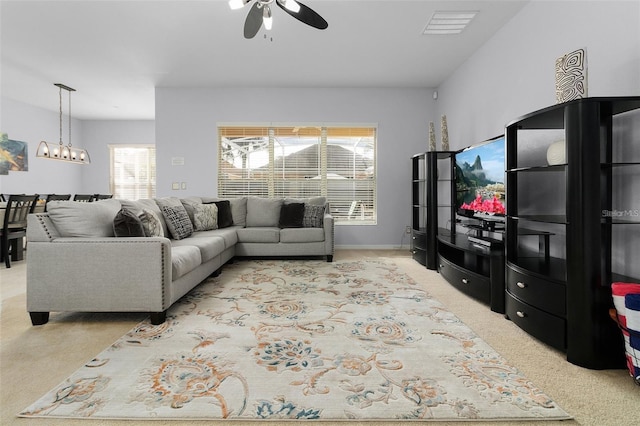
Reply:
x=151, y=223
x=178, y=221
x=313, y=216
x=127, y=224
x=205, y=217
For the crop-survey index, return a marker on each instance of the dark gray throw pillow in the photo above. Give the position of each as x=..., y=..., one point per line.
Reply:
x=291, y=215
x=127, y=224
x=225, y=219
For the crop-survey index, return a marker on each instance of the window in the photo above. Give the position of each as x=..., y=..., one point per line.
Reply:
x=335, y=162
x=132, y=171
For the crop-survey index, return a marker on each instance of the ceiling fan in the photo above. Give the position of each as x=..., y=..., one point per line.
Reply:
x=260, y=14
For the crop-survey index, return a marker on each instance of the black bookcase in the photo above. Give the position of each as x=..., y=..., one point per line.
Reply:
x=419, y=208
x=559, y=245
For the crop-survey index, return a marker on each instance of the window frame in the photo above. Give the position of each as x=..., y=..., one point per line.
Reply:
x=149, y=188
x=356, y=212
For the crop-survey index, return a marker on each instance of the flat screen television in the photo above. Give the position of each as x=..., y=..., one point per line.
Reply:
x=479, y=176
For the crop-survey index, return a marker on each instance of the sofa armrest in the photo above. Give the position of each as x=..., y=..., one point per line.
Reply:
x=327, y=223
x=99, y=275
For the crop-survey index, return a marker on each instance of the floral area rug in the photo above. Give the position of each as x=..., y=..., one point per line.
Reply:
x=282, y=339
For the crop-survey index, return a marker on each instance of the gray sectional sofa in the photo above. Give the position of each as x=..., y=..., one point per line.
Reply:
x=142, y=256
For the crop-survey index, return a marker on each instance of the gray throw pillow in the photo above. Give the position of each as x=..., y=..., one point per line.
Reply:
x=150, y=204
x=178, y=221
x=205, y=217
x=313, y=216
x=151, y=223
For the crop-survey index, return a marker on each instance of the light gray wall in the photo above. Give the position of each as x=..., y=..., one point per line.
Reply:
x=513, y=74
x=186, y=126
x=99, y=134
x=29, y=124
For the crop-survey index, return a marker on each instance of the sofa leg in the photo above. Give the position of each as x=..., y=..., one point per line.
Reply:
x=39, y=318
x=329, y=258
x=158, y=318
x=217, y=272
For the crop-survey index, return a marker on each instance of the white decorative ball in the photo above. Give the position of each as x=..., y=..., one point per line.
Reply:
x=556, y=153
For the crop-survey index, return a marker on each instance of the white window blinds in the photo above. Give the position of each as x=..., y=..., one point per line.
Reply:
x=300, y=162
x=132, y=171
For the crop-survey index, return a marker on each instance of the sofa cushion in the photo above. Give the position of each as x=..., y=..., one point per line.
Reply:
x=263, y=211
x=209, y=247
x=205, y=217
x=313, y=216
x=258, y=235
x=78, y=219
x=301, y=235
x=291, y=215
x=151, y=223
x=127, y=224
x=178, y=221
x=184, y=259
x=229, y=235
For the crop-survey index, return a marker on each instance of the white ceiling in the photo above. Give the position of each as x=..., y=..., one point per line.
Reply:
x=115, y=52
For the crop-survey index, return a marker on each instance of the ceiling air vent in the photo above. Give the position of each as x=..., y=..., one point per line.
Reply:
x=448, y=22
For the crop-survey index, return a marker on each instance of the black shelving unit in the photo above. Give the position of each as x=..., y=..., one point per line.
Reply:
x=419, y=208
x=431, y=197
x=559, y=249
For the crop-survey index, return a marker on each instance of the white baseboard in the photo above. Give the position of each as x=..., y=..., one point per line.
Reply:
x=376, y=247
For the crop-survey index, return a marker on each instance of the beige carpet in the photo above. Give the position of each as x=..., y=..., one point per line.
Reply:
x=34, y=359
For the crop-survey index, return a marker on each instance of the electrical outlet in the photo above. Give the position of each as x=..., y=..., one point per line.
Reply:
x=407, y=229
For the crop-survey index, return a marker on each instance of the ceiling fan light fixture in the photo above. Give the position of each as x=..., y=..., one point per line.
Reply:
x=238, y=4
x=291, y=5
x=267, y=18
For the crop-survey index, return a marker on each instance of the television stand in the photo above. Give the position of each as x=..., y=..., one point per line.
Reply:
x=473, y=265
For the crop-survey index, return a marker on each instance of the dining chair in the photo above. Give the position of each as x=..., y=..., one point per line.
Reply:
x=87, y=198
x=14, y=227
x=52, y=197
x=97, y=197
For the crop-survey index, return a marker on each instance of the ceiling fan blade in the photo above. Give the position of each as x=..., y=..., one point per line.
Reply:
x=306, y=15
x=253, y=22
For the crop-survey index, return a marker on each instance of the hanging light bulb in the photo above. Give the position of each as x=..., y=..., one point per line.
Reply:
x=267, y=18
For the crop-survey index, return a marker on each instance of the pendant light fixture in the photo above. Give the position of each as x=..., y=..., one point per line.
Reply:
x=60, y=151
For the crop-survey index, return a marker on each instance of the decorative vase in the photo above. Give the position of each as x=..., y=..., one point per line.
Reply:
x=556, y=153
x=432, y=136
x=445, y=133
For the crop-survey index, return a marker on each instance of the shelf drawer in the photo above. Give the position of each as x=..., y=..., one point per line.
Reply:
x=419, y=255
x=546, y=327
x=418, y=240
x=546, y=295
x=475, y=285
